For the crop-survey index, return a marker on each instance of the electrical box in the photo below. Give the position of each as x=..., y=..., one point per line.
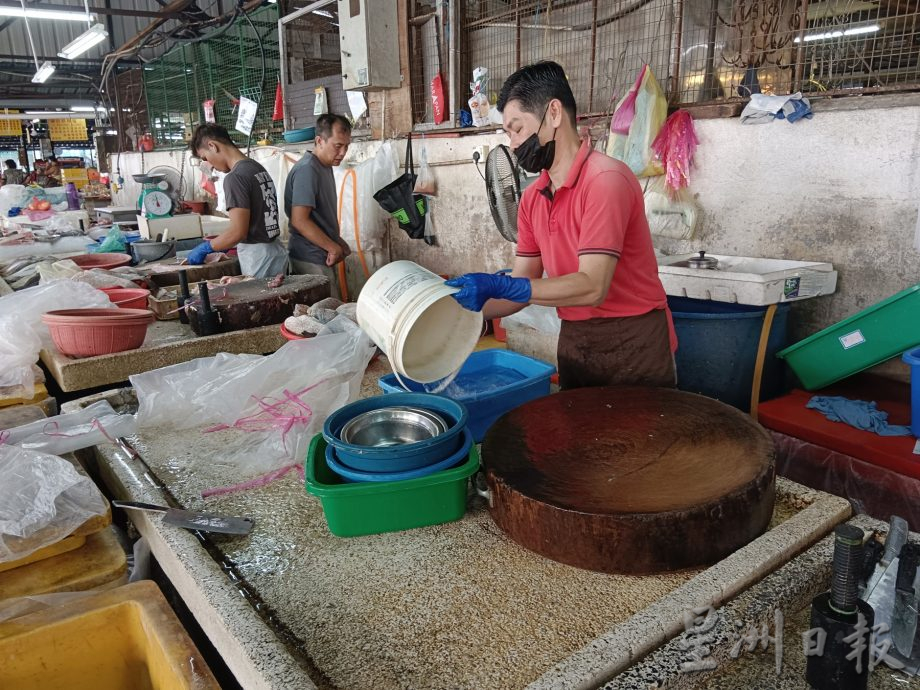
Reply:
x=369, y=43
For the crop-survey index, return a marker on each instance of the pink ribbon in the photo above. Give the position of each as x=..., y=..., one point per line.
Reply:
x=257, y=483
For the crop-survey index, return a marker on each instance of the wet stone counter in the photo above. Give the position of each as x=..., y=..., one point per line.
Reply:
x=457, y=605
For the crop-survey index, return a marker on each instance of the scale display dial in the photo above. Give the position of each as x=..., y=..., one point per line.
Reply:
x=157, y=203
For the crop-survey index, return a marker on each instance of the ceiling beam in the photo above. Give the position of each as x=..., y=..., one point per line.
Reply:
x=118, y=12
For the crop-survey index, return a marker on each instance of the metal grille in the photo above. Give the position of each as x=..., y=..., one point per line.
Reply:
x=223, y=69
x=429, y=50
x=701, y=51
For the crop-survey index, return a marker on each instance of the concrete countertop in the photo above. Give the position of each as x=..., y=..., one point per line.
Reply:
x=456, y=605
x=167, y=343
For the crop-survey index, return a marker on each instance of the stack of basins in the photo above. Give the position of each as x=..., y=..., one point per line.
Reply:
x=397, y=437
x=392, y=463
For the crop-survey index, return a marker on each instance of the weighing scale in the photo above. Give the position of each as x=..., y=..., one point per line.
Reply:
x=154, y=202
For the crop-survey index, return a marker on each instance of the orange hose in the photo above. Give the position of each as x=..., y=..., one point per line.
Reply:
x=350, y=173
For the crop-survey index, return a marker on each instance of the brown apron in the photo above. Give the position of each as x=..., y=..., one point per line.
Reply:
x=616, y=351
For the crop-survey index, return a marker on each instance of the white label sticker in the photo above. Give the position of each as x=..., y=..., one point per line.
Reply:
x=852, y=339
x=246, y=116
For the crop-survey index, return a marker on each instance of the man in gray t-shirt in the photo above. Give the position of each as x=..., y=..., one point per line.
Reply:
x=252, y=204
x=315, y=245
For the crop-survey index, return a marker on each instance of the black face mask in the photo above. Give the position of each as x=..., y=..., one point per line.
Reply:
x=531, y=155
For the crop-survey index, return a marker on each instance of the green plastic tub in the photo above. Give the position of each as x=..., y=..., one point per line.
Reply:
x=356, y=509
x=863, y=340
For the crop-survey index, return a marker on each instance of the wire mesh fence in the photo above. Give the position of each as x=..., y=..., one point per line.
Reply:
x=428, y=21
x=241, y=61
x=701, y=51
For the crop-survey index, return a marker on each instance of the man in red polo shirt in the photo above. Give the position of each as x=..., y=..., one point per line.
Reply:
x=583, y=223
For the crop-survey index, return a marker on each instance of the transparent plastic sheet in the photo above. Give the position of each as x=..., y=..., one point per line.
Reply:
x=269, y=407
x=870, y=489
x=23, y=606
x=635, y=124
x=540, y=318
x=42, y=500
x=19, y=348
x=90, y=426
x=22, y=333
x=371, y=175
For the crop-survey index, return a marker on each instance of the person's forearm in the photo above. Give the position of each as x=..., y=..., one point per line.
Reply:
x=312, y=232
x=571, y=290
x=500, y=308
x=229, y=239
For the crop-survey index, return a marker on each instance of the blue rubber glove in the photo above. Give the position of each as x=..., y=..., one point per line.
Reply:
x=477, y=288
x=196, y=256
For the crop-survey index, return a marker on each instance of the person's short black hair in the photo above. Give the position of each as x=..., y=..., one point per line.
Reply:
x=10, y=163
x=327, y=122
x=534, y=86
x=209, y=132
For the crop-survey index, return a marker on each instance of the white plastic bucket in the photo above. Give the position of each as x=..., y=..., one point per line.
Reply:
x=409, y=313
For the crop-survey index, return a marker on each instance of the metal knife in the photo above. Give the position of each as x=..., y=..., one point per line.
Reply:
x=189, y=519
x=894, y=540
x=904, y=618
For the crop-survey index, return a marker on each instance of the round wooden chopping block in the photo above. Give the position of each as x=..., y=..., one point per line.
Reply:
x=629, y=479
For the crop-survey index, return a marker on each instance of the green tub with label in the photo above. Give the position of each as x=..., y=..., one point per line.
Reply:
x=863, y=340
x=356, y=509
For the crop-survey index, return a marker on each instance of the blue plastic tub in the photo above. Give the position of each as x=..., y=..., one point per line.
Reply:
x=490, y=383
x=352, y=475
x=912, y=357
x=397, y=458
x=717, y=349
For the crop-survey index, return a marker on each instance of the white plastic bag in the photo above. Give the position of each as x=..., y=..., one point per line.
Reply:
x=320, y=106
x=94, y=424
x=425, y=182
x=42, y=500
x=280, y=400
x=538, y=317
x=670, y=213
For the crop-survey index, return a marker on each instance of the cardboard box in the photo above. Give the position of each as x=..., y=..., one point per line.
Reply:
x=186, y=226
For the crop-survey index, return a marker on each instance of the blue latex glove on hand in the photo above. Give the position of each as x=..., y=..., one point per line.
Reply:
x=477, y=288
x=196, y=256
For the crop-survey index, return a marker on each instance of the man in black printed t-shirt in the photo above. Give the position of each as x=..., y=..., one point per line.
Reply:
x=252, y=204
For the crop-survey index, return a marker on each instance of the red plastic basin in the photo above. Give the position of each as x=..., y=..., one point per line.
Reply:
x=102, y=260
x=128, y=298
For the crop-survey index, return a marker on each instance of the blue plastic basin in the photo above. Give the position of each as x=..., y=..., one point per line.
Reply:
x=352, y=475
x=912, y=357
x=490, y=383
x=404, y=457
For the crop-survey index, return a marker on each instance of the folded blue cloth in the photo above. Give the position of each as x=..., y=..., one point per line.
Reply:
x=857, y=413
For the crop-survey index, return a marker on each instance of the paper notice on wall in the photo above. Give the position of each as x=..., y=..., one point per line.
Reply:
x=247, y=115
x=356, y=103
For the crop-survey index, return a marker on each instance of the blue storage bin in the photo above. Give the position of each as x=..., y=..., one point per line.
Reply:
x=717, y=348
x=490, y=383
x=912, y=357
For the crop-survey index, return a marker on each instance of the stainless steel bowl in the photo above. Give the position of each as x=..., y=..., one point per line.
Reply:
x=392, y=426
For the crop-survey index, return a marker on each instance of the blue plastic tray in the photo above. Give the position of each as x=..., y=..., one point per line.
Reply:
x=490, y=383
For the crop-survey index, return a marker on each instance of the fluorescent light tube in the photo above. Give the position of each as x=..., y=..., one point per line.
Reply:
x=871, y=28
x=45, y=71
x=93, y=36
x=60, y=15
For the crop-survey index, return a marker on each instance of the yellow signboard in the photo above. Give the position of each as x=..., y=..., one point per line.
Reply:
x=67, y=130
x=10, y=128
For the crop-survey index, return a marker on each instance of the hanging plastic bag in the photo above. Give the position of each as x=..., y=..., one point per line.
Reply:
x=65, y=433
x=425, y=184
x=398, y=200
x=636, y=122
x=675, y=146
x=479, y=103
x=42, y=500
x=371, y=175
x=670, y=213
x=320, y=106
x=266, y=409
